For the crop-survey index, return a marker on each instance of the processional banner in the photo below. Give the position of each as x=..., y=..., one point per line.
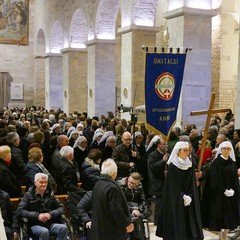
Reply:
x=163, y=82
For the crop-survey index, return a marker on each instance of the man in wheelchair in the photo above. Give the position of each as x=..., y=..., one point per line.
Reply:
x=43, y=211
x=133, y=191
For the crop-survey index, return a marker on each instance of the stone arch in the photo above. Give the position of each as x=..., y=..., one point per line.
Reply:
x=78, y=30
x=105, y=25
x=144, y=12
x=56, y=42
x=40, y=48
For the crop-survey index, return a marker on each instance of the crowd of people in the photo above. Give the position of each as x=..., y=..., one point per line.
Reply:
x=116, y=169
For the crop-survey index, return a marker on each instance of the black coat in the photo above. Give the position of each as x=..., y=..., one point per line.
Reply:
x=67, y=180
x=110, y=213
x=90, y=174
x=33, y=204
x=8, y=213
x=219, y=211
x=176, y=221
x=17, y=163
x=122, y=155
x=80, y=156
x=135, y=197
x=8, y=181
x=156, y=177
x=84, y=208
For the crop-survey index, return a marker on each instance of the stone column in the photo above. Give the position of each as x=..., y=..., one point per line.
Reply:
x=101, y=77
x=189, y=27
x=133, y=63
x=74, y=80
x=54, y=81
x=39, y=81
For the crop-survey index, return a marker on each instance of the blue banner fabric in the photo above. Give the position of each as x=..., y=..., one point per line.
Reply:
x=163, y=82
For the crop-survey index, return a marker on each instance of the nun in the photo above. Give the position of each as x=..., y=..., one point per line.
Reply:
x=221, y=195
x=180, y=217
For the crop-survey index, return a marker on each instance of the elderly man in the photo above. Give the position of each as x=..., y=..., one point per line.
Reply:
x=43, y=211
x=62, y=140
x=68, y=174
x=126, y=156
x=17, y=162
x=111, y=218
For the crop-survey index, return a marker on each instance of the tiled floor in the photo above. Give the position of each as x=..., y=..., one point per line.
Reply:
x=207, y=235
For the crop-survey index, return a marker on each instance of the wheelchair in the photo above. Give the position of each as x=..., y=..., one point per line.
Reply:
x=25, y=234
x=234, y=234
x=141, y=229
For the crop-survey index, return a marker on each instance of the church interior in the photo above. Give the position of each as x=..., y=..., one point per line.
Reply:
x=87, y=55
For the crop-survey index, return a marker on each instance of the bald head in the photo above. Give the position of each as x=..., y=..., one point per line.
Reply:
x=62, y=141
x=126, y=139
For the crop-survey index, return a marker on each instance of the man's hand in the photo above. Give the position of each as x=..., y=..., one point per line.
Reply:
x=15, y=236
x=43, y=217
x=165, y=157
x=130, y=228
x=136, y=213
x=131, y=164
x=89, y=224
x=134, y=153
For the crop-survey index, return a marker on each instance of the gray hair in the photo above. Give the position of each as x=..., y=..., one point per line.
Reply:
x=12, y=136
x=109, y=167
x=66, y=151
x=40, y=176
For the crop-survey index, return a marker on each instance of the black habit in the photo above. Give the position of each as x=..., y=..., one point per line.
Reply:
x=219, y=211
x=179, y=222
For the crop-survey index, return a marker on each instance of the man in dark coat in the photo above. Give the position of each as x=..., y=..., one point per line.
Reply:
x=17, y=163
x=133, y=191
x=9, y=216
x=68, y=175
x=126, y=156
x=156, y=175
x=43, y=210
x=111, y=218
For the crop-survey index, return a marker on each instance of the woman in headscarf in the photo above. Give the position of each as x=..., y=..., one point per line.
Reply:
x=74, y=136
x=180, y=211
x=221, y=196
x=81, y=151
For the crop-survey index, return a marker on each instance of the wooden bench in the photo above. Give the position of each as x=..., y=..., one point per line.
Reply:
x=62, y=198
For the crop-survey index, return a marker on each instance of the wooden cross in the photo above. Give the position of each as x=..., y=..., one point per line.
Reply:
x=209, y=112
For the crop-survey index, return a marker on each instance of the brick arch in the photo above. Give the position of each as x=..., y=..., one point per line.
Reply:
x=56, y=42
x=40, y=48
x=144, y=12
x=78, y=30
x=106, y=17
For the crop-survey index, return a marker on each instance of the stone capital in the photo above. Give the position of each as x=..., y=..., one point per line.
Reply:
x=184, y=11
x=68, y=50
x=99, y=41
x=48, y=55
x=133, y=28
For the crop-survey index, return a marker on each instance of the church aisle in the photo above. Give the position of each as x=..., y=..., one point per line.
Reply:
x=207, y=235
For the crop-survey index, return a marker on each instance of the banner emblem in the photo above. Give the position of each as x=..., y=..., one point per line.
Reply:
x=164, y=86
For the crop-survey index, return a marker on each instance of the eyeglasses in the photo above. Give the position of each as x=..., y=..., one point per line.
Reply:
x=132, y=183
x=127, y=139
